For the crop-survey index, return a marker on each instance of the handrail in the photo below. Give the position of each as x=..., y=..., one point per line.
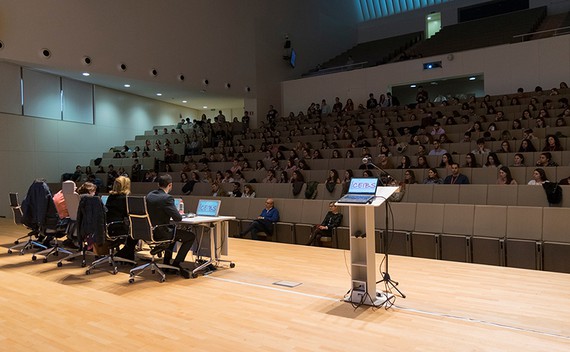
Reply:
x=556, y=30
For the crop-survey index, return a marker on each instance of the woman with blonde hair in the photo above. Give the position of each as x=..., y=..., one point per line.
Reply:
x=116, y=206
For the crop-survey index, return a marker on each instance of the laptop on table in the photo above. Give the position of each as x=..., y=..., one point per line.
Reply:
x=208, y=207
x=360, y=191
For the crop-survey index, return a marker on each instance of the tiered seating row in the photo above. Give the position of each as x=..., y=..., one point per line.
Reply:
x=531, y=237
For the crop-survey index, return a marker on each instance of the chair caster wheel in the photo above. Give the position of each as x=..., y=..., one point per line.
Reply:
x=9, y=251
x=83, y=264
x=16, y=242
x=87, y=272
x=162, y=279
x=59, y=264
x=131, y=281
x=232, y=265
x=45, y=260
x=34, y=257
x=22, y=252
x=115, y=271
x=194, y=275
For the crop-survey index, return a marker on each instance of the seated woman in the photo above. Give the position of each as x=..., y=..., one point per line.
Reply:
x=492, y=160
x=410, y=177
x=116, y=206
x=248, y=191
x=433, y=177
x=538, y=177
x=505, y=177
x=332, y=220
x=518, y=160
x=446, y=161
x=471, y=161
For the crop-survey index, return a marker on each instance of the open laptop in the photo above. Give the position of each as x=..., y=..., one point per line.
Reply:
x=208, y=207
x=360, y=191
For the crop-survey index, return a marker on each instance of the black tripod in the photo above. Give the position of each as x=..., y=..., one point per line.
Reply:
x=385, y=275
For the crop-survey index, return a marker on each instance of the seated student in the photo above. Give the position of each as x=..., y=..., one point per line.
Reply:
x=456, y=177
x=332, y=220
x=545, y=159
x=433, y=177
x=264, y=222
x=505, y=177
x=538, y=177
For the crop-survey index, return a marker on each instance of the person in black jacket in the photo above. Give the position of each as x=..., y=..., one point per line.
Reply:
x=39, y=212
x=161, y=209
x=331, y=221
x=117, y=211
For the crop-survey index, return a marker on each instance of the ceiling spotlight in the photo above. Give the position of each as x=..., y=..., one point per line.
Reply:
x=86, y=60
x=122, y=67
x=184, y=101
x=127, y=85
x=228, y=85
x=205, y=81
x=247, y=89
x=413, y=86
x=181, y=77
x=472, y=78
x=204, y=107
x=154, y=72
x=159, y=94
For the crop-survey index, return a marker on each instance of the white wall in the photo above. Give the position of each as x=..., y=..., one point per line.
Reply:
x=33, y=147
x=543, y=62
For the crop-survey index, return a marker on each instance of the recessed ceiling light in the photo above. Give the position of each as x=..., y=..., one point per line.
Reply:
x=86, y=74
x=472, y=78
x=204, y=107
x=184, y=101
x=429, y=17
x=127, y=85
x=159, y=94
x=413, y=86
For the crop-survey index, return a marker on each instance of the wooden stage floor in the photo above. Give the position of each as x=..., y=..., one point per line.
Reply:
x=449, y=306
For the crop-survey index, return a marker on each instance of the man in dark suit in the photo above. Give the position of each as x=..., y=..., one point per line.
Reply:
x=161, y=209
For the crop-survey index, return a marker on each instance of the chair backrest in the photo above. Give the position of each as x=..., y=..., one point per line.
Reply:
x=71, y=198
x=16, y=209
x=141, y=227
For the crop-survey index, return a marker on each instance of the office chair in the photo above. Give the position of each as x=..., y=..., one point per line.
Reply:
x=66, y=226
x=91, y=227
x=116, y=232
x=142, y=229
x=17, y=214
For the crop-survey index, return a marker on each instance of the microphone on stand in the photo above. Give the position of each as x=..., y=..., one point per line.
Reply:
x=368, y=161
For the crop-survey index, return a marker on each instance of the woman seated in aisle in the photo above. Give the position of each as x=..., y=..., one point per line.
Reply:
x=433, y=177
x=116, y=206
x=538, y=177
x=505, y=177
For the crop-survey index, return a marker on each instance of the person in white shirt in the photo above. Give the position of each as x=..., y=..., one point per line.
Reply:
x=538, y=177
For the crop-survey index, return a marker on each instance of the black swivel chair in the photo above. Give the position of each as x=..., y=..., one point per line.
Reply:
x=116, y=233
x=142, y=229
x=31, y=242
x=91, y=227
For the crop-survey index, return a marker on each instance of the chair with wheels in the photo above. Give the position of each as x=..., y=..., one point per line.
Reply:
x=116, y=233
x=90, y=228
x=142, y=229
x=31, y=236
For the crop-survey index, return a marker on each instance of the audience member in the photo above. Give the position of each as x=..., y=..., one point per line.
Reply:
x=456, y=176
x=248, y=191
x=264, y=223
x=331, y=221
x=433, y=177
x=545, y=159
x=505, y=177
x=538, y=177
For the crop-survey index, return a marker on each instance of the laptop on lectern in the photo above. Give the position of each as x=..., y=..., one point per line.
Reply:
x=208, y=207
x=360, y=191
